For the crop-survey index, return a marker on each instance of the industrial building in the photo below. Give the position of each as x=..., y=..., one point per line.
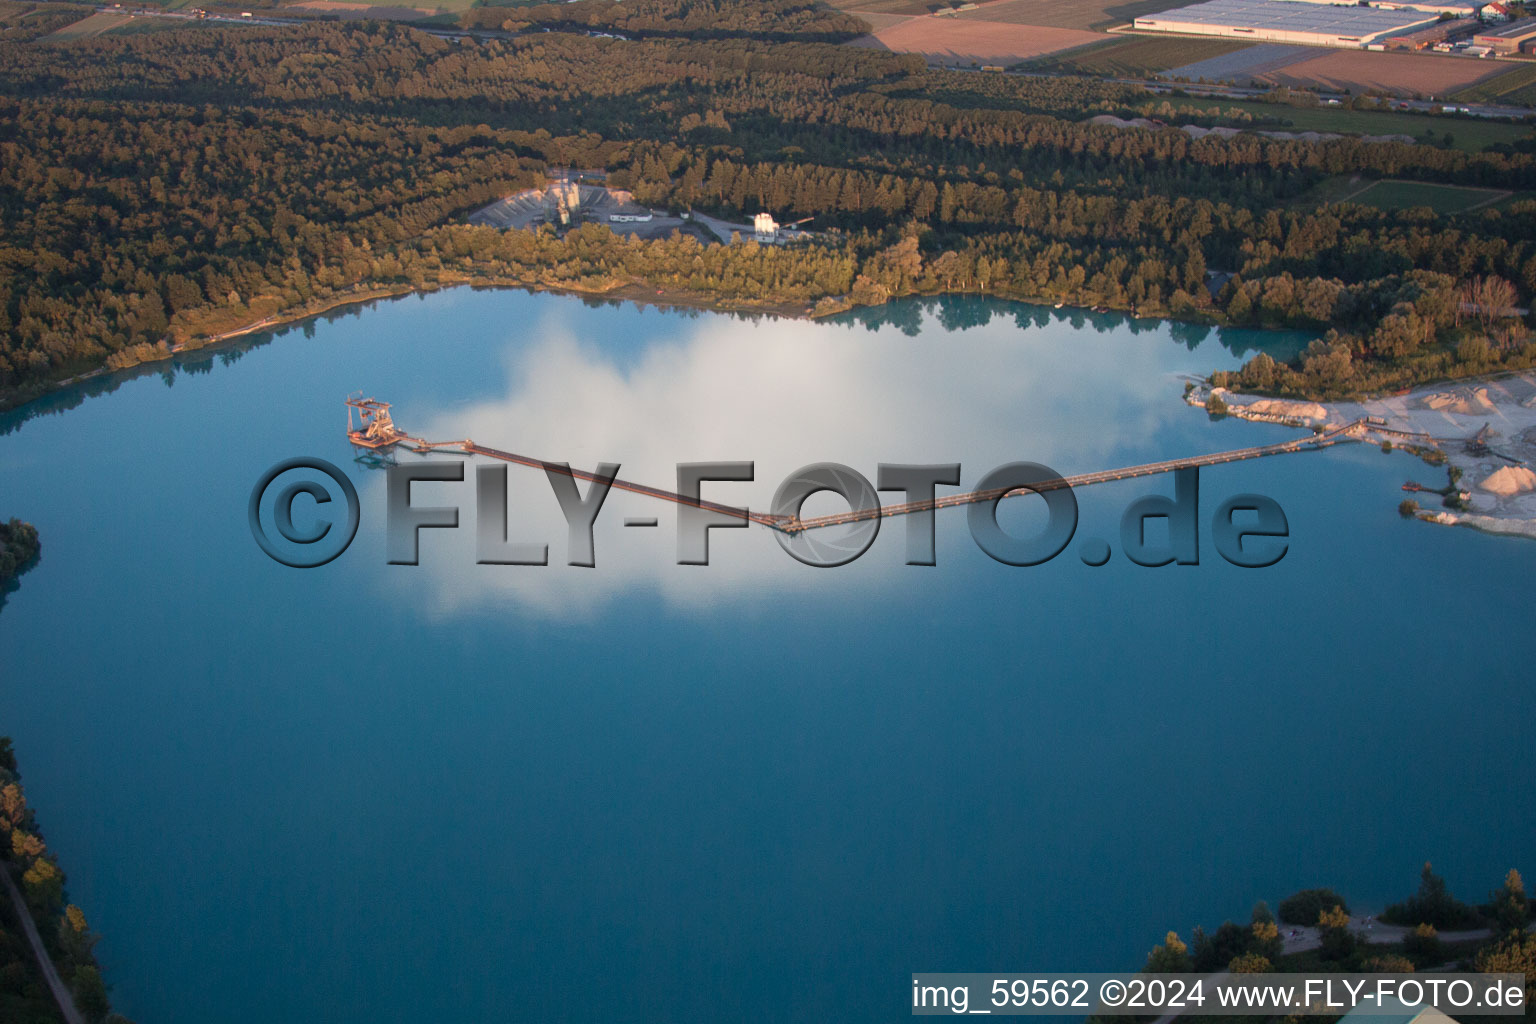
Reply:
x=1458, y=8
x=1516, y=37
x=1441, y=36
x=1289, y=21
x=565, y=202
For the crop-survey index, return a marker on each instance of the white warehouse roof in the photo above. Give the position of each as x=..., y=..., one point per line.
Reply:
x=1286, y=19
x=1457, y=7
x=1461, y=8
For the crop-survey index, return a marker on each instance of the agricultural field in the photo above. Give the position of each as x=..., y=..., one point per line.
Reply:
x=1065, y=13
x=878, y=21
x=1306, y=67
x=1403, y=74
x=950, y=40
x=33, y=21
x=1058, y=14
x=1140, y=56
x=97, y=24
x=1241, y=66
x=1405, y=195
x=142, y=26
x=1394, y=195
x=903, y=8
x=1515, y=87
x=1467, y=134
x=350, y=11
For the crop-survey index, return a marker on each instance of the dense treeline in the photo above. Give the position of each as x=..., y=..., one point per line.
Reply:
x=1500, y=939
x=67, y=939
x=120, y=220
x=780, y=20
x=23, y=21
x=831, y=104
x=18, y=548
x=159, y=189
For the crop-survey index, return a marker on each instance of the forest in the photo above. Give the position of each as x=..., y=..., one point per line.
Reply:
x=66, y=936
x=159, y=189
x=1490, y=938
x=778, y=20
x=18, y=549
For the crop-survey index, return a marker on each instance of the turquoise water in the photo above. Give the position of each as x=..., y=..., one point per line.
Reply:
x=748, y=791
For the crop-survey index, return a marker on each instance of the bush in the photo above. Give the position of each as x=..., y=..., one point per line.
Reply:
x=18, y=547
x=1423, y=946
x=1338, y=942
x=1215, y=406
x=1307, y=906
x=90, y=993
x=1474, y=351
x=1511, y=908
x=1432, y=904
x=1169, y=958
x=1387, y=963
x=1516, y=954
x=1250, y=963
x=1213, y=952
x=1266, y=941
x=1407, y=508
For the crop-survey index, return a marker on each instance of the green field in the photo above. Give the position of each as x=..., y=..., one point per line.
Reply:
x=1406, y=195
x=1468, y=134
x=1517, y=86
x=1137, y=56
x=1081, y=14
x=138, y=26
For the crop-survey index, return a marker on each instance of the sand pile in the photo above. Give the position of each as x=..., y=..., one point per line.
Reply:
x=1286, y=407
x=1466, y=404
x=1509, y=481
x=1194, y=131
x=1111, y=121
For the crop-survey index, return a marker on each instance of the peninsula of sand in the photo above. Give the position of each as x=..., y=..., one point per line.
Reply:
x=1483, y=431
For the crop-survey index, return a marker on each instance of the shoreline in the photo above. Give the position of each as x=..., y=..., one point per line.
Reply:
x=271, y=321
x=642, y=294
x=639, y=292
x=636, y=292
x=1480, y=430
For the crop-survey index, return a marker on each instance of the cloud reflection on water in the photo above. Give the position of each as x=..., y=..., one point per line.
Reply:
x=782, y=394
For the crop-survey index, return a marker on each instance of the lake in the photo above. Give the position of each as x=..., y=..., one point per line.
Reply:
x=752, y=790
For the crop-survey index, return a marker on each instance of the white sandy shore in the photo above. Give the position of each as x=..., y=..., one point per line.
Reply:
x=1486, y=427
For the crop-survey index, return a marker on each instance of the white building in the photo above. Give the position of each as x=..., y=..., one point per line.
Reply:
x=765, y=228
x=1459, y=8
x=1288, y=21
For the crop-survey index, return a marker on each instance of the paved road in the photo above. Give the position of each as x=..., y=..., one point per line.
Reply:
x=50, y=973
x=1373, y=932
